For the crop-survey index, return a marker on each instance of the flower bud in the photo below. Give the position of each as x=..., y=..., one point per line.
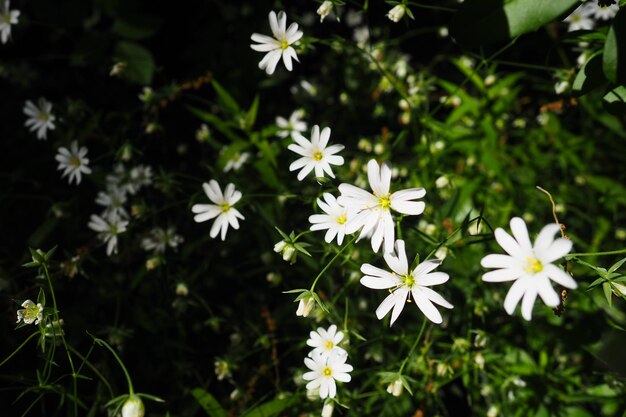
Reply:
x=396, y=13
x=133, y=407
x=395, y=388
x=327, y=410
x=305, y=306
x=323, y=11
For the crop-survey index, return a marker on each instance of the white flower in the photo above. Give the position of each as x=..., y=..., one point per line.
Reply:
x=334, y=220
x=73, y=161
x=324, y=372
x=324, y=10
x=292, y=127
x=602, y=13
x=279, y=45
x=396, y=13
x=113, y=201
x=373, y=214
x=160, y=239
x=133, y=407
x=530, y=266
x=580, y=19
x=236, y=161
x=39, y=118
x=325, y=341
x=403, y=283
x=315, y=154
x=30, y=313
x=223, y=211
x=139, y=176
x=7, y=18
x=108, y=229
x=305, y=305
x=395, y=387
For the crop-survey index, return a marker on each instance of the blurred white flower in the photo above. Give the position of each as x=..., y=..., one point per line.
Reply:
x=108, y=229
x=292, y=127
x=139, y=176
x=31, y=313
x=324, y=372
x=7, y=18
x=601, y=12
x=236, y=161
x=327, y=410
x=159, y=239
x=561, y=87
x=396, y=13
x=223, y=211
x=147, y=94
x=133, y=407
x=395, y=388
x=529, y=266
x=279, y=45
x=361, y=35
x=403, y=283
x=73, y=161
x=40, y=118
x=372, y=210
x=580, y=19
x=325, y=341
x=113, y=201
x=222, y=369
x=334, y=221
x=315, y=154
x=324, y=10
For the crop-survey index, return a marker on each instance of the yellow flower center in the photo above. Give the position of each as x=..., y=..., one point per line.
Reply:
x=408, y=280
x=74, y=161
x=225, y=207
x=533, y=265
x=284, y=44
x=318, y=156
x=44, y=117
x=384, y=202
x=6, y=18
x=329, y=345
x=342, y=219
x=327, y=371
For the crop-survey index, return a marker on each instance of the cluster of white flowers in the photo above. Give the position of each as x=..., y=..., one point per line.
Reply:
x=327, y=364
x=160, y=239
x=589, y=14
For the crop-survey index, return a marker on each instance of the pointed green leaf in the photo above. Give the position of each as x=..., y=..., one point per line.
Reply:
x=590, y=76
x=208, y=403
x=270, y=408
x=614, y=57
x=227, y=100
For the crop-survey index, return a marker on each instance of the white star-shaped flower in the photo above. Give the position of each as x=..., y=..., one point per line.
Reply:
x=334, y=221
x=7, y=18
x=292, y=127
x=223, y=211
x=108, y=229
x=580, y=19
x=39, y=118
x=316, y=155
x=324, y=372
x=31, y=313
x=73, y=162
x=601, y=12
x=530, y=266
x=403, y=283
x=373, y=215
x=278, y=46
x=325, y=341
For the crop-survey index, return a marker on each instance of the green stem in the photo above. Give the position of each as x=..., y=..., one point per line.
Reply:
x=19, y=347
x=614, y=252
x=417, y=339
x=331, y=262
x=62, y=335
x=101, y=342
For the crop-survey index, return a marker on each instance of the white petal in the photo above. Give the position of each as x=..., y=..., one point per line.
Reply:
x=559, y=276
x=412, y=208
x=515, y=293
x=435, y=297
x=547, y=293
x=558, y=249
x=520, y=232
x=400, y=300
x=274, y=57
x=434, y=278
x=528, y=302
x=397, y=261
x=499, y=261
x=425, y=267
x=424, y=304
x=386, y=305
x=509, y=244
x=502, y=275
x=546, y=237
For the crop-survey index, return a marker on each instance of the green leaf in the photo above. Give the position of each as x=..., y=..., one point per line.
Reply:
x=479, y=22
x=616, y=265
x=139, y=62
x=590, y=76
x=614, y=61
x=218, y=123
x=615, y=100
x=252, y=112
x=227, y=100
x=270, y=408
x=208, y=403
x=607, y=293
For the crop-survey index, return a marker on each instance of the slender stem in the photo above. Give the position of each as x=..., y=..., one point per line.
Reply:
x=19, y=347
x=613, y=252
x=62, y=335
x=417, y=339
x=331, y=262
x=101, y=342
